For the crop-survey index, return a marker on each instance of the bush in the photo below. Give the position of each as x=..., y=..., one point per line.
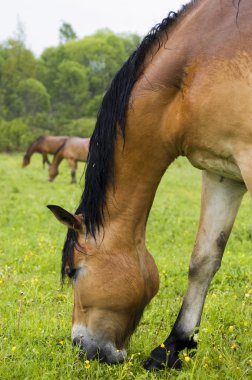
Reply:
x=12, y=135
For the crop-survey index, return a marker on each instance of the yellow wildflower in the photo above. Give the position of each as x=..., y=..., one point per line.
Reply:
x=14, y=349
x=61, y=342
x=87, y=364
x=234, y=346
x=231, y=328
x=187, y=359
x=162, y=345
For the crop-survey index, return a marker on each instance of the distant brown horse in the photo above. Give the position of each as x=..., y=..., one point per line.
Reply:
x=73, y=150
x=187, y=90
x=43, y=145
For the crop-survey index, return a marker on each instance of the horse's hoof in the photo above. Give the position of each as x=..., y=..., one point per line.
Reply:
x=174, y=361
x=163, y=358
x=153, y=365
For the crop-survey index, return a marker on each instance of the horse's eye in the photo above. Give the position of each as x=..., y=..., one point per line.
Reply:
x=72, y=272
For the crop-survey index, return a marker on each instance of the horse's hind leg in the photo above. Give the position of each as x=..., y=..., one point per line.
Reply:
x=221, y=198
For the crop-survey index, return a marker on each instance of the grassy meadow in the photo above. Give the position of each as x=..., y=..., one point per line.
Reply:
x=35, y=311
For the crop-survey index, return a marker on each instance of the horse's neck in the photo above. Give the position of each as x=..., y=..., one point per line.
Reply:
x=33, y=148
x=140, y=162
x=58, y=157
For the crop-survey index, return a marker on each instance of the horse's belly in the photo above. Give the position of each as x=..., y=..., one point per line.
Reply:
x=214, y=164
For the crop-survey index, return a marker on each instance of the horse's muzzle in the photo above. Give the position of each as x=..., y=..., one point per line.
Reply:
x=96, y=348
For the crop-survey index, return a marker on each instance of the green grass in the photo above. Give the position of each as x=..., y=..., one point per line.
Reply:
x=35, y=312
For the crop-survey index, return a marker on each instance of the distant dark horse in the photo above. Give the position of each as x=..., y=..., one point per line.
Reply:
x=73, y=150
x=187, y=90
x=43, y=145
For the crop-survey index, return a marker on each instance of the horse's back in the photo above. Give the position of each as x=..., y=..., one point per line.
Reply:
x=50, y=144
x=76, y=148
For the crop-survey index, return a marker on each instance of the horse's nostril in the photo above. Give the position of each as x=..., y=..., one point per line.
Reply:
x=76, y=341
x=101, y=356
x=90, y=352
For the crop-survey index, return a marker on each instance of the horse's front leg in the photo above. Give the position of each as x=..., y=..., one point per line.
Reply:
x=45, y=160
x=221, y=198
x=73, y=165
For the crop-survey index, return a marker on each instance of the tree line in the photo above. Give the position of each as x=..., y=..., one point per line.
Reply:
x=58, y=93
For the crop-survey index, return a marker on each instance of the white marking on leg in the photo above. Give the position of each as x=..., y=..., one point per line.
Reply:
x=220, y=202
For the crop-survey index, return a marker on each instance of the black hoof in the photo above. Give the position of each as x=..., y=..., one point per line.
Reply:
x=152, y=365
x=162, y=358
x=174, y=361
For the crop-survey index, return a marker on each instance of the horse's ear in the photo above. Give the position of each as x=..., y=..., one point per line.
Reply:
x=70, y=220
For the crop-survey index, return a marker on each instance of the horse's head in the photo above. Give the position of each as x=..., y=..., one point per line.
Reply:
x=26, y=160
x=111, y=290
x=52, y=172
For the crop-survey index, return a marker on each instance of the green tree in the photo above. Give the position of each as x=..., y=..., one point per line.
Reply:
x=93, y=105
x=102, y=54
x=16, y=63
x=47, y=68
x=61, y=91
x=12, y=134
x=34, y=96
x=99, y=55
x=67, y=33
x=71, y=87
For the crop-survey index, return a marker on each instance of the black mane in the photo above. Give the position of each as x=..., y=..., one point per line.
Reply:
x=113, y=110
x=59, y=148
x=28, y=151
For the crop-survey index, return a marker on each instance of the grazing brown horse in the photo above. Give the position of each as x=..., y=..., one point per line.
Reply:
x=43, y=145
x=73, y=150
x=187, y=90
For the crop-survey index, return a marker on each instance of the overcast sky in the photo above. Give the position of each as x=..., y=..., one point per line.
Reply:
x=42, y=19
